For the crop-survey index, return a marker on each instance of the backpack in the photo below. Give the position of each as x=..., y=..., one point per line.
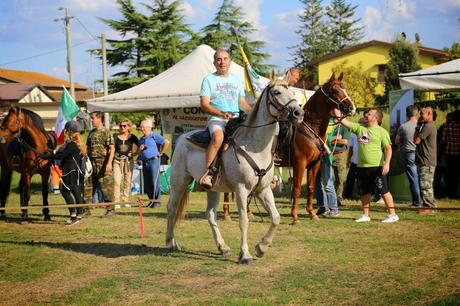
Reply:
x=85, y=167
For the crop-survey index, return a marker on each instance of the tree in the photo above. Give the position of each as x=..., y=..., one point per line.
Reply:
x=454, y=51
x=359, y=83
x=228, y=30
x=403, y=58
x=314, y=41
x=149, y=45
x=342, y=27
x=172, y=39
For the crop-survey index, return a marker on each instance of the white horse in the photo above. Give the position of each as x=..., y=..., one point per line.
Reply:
x=254, y=138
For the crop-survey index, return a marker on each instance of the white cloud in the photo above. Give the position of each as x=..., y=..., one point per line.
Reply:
x=209, y=4
x=92, y=5
x=251, y=10
x=393, y=17
x=60, y=72
x=189, y=11
x=288, y=20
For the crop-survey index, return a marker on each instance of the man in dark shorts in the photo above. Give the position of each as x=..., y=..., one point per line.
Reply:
x=374, y=155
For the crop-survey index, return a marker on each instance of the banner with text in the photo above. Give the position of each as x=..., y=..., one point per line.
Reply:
x=176, y=121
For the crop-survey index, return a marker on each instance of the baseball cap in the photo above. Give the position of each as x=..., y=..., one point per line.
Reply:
x=72, y=126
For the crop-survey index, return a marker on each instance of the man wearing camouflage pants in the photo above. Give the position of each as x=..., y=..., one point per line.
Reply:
x=101, y=151
x=425, y=154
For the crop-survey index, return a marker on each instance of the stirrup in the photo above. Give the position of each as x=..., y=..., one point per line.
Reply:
x=205, y=180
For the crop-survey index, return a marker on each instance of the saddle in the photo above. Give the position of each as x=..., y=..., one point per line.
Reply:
x=202, y=138
x=283, y=147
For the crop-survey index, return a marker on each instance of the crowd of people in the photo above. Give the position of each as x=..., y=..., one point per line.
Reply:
x=360, y=158
x=361, y=155
x=112, y=158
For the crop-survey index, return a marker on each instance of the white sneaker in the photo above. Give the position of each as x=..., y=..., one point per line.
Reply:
x=380, y=201
x=363, y=218
x=391, y=219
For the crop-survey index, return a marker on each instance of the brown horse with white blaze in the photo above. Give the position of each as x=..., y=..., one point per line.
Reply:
x=22, y=139
x=309, y=138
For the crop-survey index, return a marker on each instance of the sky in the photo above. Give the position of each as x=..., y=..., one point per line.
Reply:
x=32, y=36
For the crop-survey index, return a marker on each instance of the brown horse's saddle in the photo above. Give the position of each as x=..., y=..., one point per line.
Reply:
x=283, y=146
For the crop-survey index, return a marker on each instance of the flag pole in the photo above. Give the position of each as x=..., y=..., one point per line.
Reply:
x=248, y=82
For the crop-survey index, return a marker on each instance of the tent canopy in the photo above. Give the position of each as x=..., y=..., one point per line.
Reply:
x=177, y=87
x=443, y=77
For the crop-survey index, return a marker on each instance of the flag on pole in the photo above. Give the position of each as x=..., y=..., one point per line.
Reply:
x=68, y=109
x=252, y=80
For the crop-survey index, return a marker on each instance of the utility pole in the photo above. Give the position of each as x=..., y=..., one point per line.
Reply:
x=69, y=49
x=104, y=78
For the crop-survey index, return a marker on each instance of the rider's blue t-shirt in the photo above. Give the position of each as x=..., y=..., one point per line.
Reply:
x=224, y=92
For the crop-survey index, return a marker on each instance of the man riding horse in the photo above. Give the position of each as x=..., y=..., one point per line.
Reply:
x=221, y=96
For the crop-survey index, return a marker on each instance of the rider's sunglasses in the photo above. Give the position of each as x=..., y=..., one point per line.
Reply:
x=123, y=125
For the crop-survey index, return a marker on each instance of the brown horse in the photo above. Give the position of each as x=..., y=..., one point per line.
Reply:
x=22, y=139
x=308, y=140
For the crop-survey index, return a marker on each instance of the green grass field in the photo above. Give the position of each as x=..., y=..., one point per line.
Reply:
x=103, y=261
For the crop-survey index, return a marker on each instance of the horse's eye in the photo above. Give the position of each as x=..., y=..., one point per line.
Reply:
x=276, y=92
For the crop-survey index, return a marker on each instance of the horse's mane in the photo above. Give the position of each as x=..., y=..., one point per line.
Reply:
x=255, y=108
x=35, y=119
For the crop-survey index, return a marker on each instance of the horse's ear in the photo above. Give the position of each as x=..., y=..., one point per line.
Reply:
x=13, y=109
x=341, y=77
x=279, y=82
x=332, y=77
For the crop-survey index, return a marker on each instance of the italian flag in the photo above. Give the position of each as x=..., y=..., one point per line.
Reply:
x=68, y=109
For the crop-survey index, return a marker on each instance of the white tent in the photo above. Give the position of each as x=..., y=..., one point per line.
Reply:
x=177, y=87
x=443, y=77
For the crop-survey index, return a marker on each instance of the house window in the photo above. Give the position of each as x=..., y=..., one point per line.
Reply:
x=382, y=73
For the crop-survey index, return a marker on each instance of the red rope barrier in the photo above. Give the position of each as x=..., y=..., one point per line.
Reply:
x=141, y=216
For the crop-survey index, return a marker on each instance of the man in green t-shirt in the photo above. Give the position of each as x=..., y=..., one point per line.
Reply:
x=374, y=155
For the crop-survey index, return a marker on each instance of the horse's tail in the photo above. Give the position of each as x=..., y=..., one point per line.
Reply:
x=180, y=209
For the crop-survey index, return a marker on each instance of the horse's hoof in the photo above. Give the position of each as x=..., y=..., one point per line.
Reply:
x=173, y=246
x=223, y=250
x=260, y=252
x=295, y=222
x=315, y=217
x=251, y=216
x=246, y=261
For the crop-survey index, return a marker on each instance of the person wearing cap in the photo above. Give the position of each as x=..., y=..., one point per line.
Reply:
x=70, y=155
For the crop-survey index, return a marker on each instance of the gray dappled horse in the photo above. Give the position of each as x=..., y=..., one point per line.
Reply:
x=239, y=173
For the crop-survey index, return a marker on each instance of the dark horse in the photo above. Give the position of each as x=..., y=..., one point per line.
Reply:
x=308, y=140
x=22, y=139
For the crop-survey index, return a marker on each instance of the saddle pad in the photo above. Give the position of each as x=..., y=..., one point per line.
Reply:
x=201, y=138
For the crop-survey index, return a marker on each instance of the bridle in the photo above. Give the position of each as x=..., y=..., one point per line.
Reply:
x=280, y=107
x=339, y=104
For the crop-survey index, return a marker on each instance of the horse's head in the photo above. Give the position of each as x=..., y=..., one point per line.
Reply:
x=337, y=95
x=281, y=103
x=11, y=122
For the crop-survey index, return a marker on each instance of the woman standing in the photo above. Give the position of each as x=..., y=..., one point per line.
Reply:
x=70, y=155
x=122, y=163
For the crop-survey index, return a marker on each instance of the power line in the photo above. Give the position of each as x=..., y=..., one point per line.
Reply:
x=86, y=29
x=43, y=54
